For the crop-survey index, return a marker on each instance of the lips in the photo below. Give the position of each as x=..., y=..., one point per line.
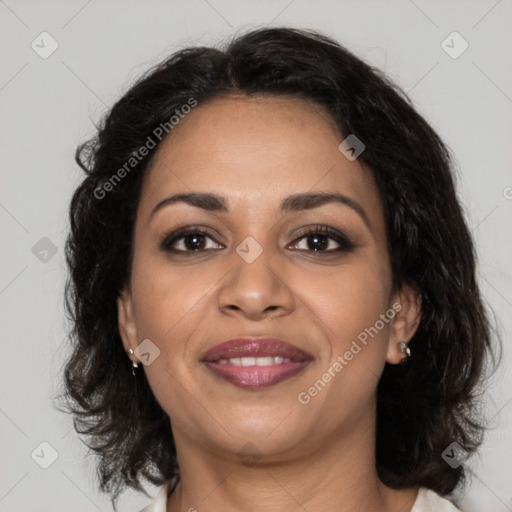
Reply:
x=255, y=347
x=253, y=363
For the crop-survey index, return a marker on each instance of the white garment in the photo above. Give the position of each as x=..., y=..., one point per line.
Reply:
x=427, y=501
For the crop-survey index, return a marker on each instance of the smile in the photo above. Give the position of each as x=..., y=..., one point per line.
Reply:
x=252, y=363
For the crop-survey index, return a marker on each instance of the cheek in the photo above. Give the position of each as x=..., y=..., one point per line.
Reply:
x=169, y=310
x=347, y=301
x=349, y=306
x=166, y=298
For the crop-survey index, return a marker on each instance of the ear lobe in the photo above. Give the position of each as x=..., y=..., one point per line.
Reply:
x=405, y=323
x=126, y=320
x=395, y=354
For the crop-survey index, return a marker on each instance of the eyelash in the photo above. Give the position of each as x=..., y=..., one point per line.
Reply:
x=345, y=245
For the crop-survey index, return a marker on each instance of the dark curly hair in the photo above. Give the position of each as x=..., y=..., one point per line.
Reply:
x=422, y=407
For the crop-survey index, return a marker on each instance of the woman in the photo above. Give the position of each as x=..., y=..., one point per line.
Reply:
x=268, y=238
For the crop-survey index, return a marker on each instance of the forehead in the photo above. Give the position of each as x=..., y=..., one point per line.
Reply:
x=257, y=151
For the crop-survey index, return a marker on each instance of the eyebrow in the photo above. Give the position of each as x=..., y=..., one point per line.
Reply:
x=294, y=203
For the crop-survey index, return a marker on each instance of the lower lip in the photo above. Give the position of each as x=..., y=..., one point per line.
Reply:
x=256, y=377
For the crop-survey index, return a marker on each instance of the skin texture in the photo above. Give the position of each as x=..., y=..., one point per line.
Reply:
x=320, y=456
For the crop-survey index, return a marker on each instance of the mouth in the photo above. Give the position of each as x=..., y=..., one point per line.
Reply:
x=253, y=363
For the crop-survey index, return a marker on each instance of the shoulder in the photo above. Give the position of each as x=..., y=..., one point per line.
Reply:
x=429, y=501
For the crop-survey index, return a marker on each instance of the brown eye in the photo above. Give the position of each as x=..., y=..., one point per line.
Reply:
x=192, y=240
x=323, y=239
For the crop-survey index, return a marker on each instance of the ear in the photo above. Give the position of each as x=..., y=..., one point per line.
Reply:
x=126, y=322
x=407, y=304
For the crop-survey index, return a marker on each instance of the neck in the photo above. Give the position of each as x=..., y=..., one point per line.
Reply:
x=340, y=476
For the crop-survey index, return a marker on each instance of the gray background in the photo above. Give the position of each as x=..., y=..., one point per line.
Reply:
x=46, y=109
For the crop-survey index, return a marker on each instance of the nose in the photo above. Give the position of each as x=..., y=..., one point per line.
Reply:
x=257, y=289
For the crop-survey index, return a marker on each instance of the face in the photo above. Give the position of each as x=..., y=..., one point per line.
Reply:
x=311, y=272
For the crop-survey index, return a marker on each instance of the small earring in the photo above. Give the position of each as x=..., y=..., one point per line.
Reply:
x=134, y=364
x=406, y=351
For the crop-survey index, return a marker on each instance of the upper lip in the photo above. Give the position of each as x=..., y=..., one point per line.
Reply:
x=255, y=347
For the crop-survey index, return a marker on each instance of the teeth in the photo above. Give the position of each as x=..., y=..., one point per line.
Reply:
x=255, y=361
x=264, y=361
